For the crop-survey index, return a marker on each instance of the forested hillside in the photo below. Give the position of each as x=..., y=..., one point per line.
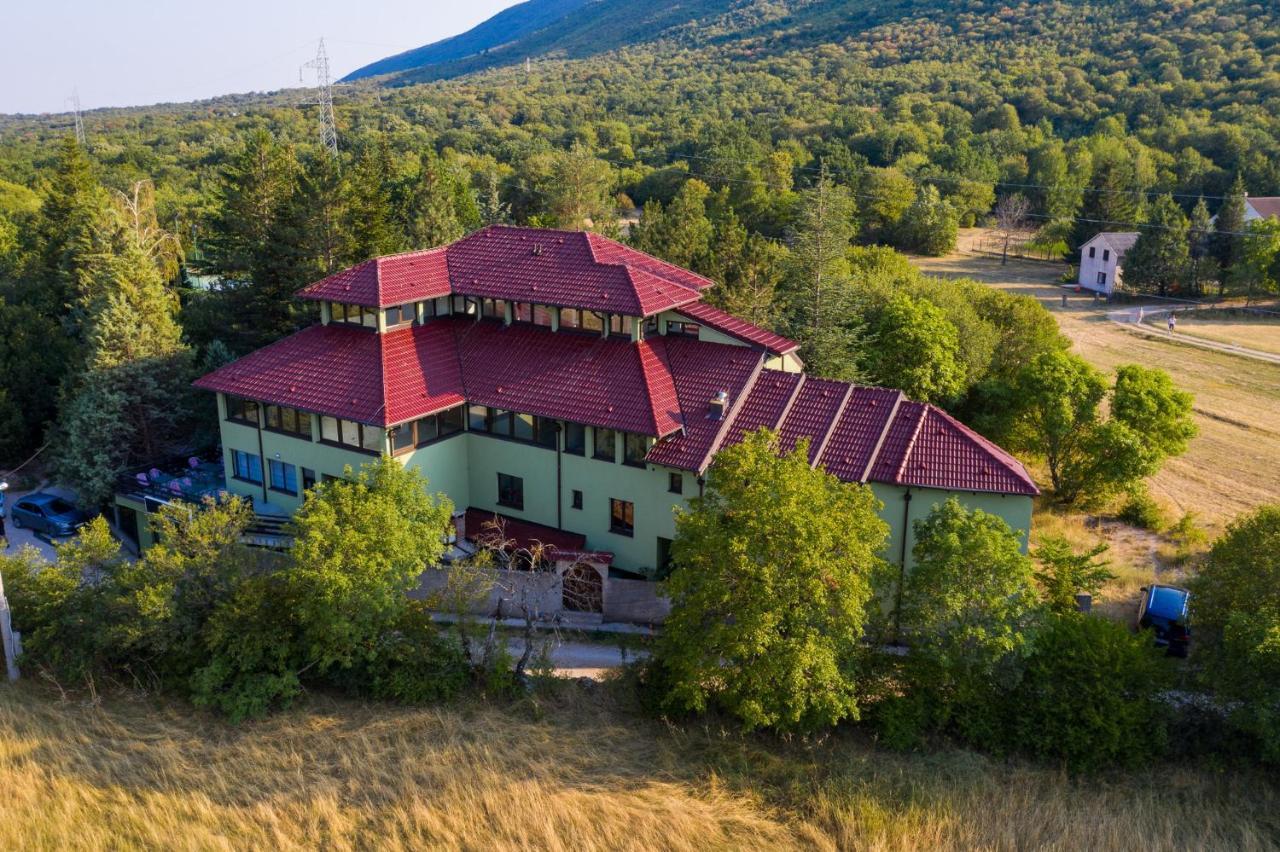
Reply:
x=718, y=119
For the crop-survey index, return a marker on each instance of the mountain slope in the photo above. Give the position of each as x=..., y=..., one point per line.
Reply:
x=507, y=26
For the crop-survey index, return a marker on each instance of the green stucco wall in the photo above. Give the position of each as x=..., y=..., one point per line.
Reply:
x=466, y=466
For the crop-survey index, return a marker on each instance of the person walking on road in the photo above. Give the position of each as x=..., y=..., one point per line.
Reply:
x=1173, y=321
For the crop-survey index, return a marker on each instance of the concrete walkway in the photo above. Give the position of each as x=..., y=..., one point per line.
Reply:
x=1128, y=320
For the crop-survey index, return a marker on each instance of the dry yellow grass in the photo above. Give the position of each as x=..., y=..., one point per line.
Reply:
x=1260, y=334
x=576, y=771
x=1233, y=465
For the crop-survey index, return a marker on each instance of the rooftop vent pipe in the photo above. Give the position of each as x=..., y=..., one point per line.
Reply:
x=718, y=404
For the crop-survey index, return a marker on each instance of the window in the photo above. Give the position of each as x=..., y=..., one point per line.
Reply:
x=493, y=309
x=241, y=410
x=1102, y=279
x=682, y=329
x=569, y=318
x=604, y=449
x=402, y=438
x=284, y=477
x=675, y=482
x=522, y=312
x=353, y=315
x=1106, y=254
x=500, y=422
x=450, y=422
x=592, y=321
x=478, y=417
x=510, y=491
x=541, y=316
x=511, y=424
x=545, y=432
x=246, y=467
x=622, y=519
x=577, y=499
x=429, y=309
x=348, y=433
x=308, y=479
x=1093, y=251
x=634, y=448
x=400, y=315
x=290, y=421
x=575, y=439
x=620, y=325
x=650, y=326
x=523, y=424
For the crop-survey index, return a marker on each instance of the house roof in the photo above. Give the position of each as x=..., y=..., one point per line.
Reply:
x=481, y=524
x=350, y=373
x=726, y=323
x=1265, y=206
x=569, y=269
x=1119, y=241
x=864, y=434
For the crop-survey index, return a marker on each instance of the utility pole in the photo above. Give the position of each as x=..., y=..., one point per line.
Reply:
x=324, y=99
x=75, y=109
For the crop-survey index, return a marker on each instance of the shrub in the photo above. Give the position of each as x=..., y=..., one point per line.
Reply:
x=1141, y=510
x=1064, y=573
x=413, y=663
x=1088, y=695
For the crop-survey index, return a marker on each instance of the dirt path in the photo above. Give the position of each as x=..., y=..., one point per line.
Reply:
x=1233, y=465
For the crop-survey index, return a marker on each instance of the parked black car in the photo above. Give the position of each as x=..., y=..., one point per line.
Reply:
x=1163, y=609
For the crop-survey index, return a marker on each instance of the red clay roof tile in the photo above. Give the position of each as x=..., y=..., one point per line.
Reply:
x=386, y=281
x=739, y=329
x=856, y=436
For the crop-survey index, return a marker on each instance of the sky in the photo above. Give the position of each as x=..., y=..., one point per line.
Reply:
x=133, y=52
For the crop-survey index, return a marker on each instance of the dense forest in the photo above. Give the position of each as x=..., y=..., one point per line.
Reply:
x=781, y=148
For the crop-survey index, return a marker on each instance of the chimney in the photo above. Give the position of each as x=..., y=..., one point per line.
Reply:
x=718, y=404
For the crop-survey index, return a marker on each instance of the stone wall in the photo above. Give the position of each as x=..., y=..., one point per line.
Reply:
x=634, y=602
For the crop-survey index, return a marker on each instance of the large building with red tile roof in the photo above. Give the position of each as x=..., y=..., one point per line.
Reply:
x=570, y=384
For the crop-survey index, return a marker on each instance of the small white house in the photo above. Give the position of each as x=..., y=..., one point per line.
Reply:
x=1261, y=208
x=1102, y=260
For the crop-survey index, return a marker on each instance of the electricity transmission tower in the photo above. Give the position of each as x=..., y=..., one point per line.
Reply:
x=75, y=109
x=323, y=98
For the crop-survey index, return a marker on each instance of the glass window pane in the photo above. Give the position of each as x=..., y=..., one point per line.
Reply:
x=304, y=424
x=575, y=438
x=351, y=433
x=634, y=449
x=478, y=417
x=427, y=430
x=373, y=437
x=546, y=432
x=569, y=318
x=501, y=421
x=524, y=427
x=450, y=421
x=289, y=419
x=541, y=315
x=604, y=449
x=523, y=312
x=592, y=321
x=403, y=437
x=273, y=417
x=329, y=429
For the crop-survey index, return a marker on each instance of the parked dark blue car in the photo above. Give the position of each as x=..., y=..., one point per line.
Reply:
x=48, y=514
x=1164, y=610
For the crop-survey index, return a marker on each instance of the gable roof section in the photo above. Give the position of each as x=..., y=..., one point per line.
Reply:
x=584, y=378
x=767, y=404
x=700, y=371
x=1268, y=207
x=1119, y=241
x=812, y=415
x=569, y=269
x=386, y=281
x=856, y=438
x=726, y=323
x=420, y=372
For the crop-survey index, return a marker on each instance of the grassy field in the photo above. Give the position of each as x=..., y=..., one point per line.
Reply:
x=1262, y=334
x=1234, y=464
x=576, y=770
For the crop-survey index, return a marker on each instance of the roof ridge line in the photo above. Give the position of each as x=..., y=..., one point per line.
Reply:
x=647, y=346
x=911, y=444
x=884, y=434
x=791, y=401
x=830, y=429
x=734, y=413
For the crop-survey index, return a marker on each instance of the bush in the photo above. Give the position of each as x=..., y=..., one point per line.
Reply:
x=1088, y=695
x=413, y=663
x=1064, y=573
x=1141, y=510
